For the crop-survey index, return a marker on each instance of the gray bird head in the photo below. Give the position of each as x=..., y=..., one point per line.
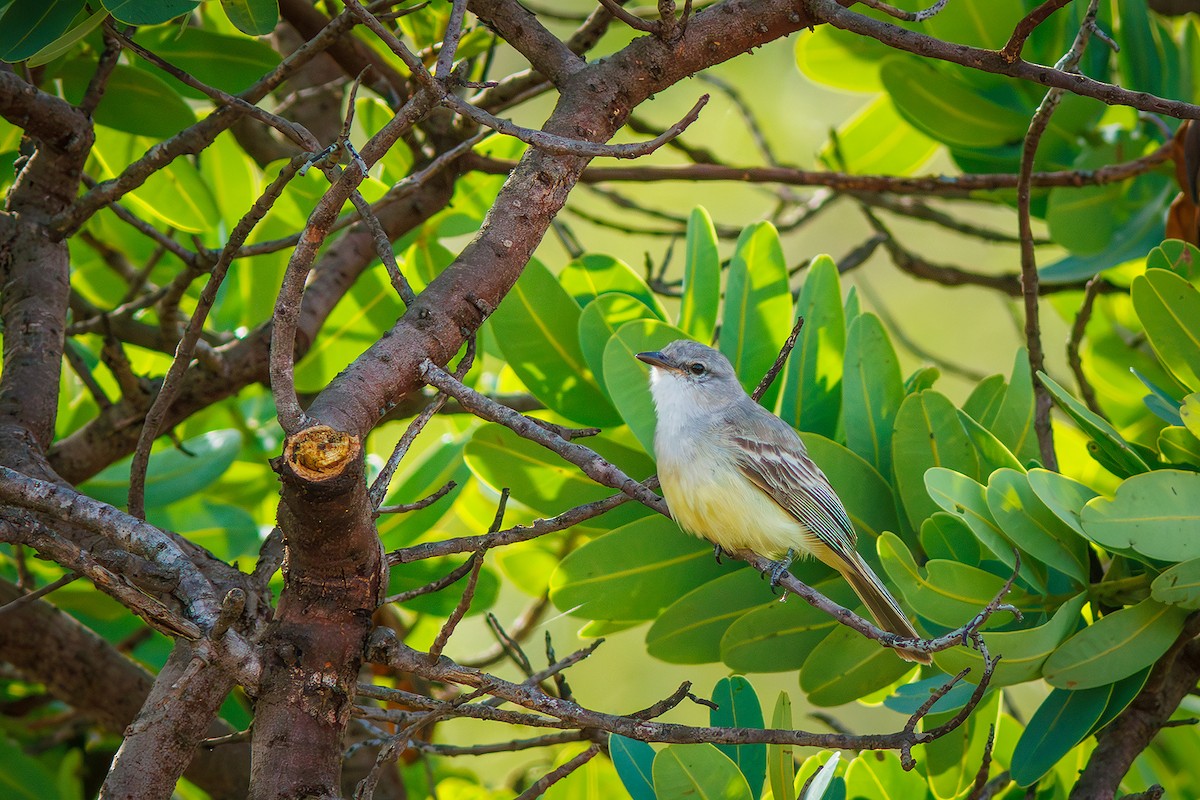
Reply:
x=689, y=370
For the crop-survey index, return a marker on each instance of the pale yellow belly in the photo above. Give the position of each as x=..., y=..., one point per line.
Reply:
x=716, y=502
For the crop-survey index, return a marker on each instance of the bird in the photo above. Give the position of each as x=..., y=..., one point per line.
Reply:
x=739, y=476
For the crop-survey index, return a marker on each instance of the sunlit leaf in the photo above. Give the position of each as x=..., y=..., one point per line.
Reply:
x=698, y=770
x=701, y=279
x=1155, y=514
x=756, y=315
x=738, y=707
x=872, y=391
x=811, y=397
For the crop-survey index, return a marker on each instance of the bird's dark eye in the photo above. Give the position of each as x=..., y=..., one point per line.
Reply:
x=697, y=368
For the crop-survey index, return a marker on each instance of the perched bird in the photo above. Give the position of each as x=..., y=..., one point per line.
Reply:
x=737, y=475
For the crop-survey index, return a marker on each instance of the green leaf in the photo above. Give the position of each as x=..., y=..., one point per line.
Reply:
x=134, y=100
x=590, y=276
x=628, y=380
x=634, y=762
x=253, y=17
x=1033, y=527
x=600, y=320
x=811, y=398
x=1111, y=448
x=781, y=763
x=985, y=400
x=174, y=473
x=1123, y=693
x=1062, y=495
x=1179, y=585
x=23, y=777
x=758, y=306
x=428, y=472
x=977, y=23
x=27, y=26
x=1178, y=445
x=230, y=63
x=928, y=434
x=537, y=329
x=738, y=707
x=876, y=141
x=945, y=108
x=1155, y=514
x=226, y=531
x=1115, y=646
x=846, y=666
x=960, y=495
x=689, y=630
x=778, y=637
x=881, y=777
x=633, y=572
x=698, y=771
x=840, y=59
x=63, y=44
x=950, y=761
x=1182, y=258
x=1169, y=309
x=1062, y=721
x=946, y=536
x=545, y=482
x=148, y=12
x=701, y=279
x=993, y=455
x=1025, y=651
x=819, y=780
x=872, y=391
x=1189, y=413
x=1013, y=423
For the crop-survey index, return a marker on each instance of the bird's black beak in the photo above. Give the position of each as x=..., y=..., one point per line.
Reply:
x=656, y=359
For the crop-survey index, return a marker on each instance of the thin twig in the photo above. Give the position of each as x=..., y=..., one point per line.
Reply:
x=1078, y=329
x=448, y=579
x=906, y=16
x=424, y=502
x=26, y=599
x=539, y=787
x=1021, y=33
x=780, y=360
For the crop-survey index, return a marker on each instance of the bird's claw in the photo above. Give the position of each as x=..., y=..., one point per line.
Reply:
x=779, y=569
x=718, y=551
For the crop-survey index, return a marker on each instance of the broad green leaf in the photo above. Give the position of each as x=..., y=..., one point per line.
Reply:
x=27, y=26
x=872, y=391
x=781, y=763
x=921, y=379
x=426, y=473
x=1179, y=585
x=634, y=762
x=1025, y=651
x=1178, y=445
x=977, y=23
x=230, y=63
x=63, y=44
x=253, y=17
x=633, y=572
x=1169, y=309
x=698, y=771
x=985, y=400
x=757, y=312
x=1013, y=424
x=877, y=141
x=174, y=473
x=628, y=380
x=226, y=531
x=1123, y=693
x=148, y=12
x=1062, y=495
x=949, y=594
x=1111, y=448
x=23, y=777
x=778, y=637
x=846, y=666
x=600, y=320
x=811, y=398
x=880, y=777
x=1115, y=646
x=1152, y=69
x=537, y=328
x=1182, y=258
x=701, y=279
x=909, y=697
x=960, y=495
x=818, y=779
x=928, y=434
x=1129, y=242
x=545, y=482
x=947, y=109
x=689, y=630
x=1189, y=413
x=134, y=101
x=1033, y=527
x=992, y=453
x=946, y=536
x=840, y=59
x=738, y=707
x=590, y=276
x=1155, y=514
x=866, y=495
x=1062, y=721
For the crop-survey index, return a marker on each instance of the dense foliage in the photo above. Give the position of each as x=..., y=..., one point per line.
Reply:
x=176, y=210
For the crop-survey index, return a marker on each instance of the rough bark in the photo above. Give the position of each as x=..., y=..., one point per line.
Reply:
x=313, y=650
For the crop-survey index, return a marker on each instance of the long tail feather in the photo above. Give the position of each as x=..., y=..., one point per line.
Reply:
x=880, y=603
